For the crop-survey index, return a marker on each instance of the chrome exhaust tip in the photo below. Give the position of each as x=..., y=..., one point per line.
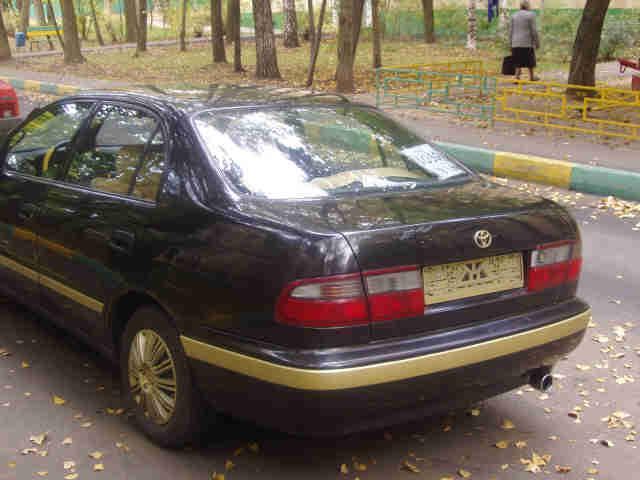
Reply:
x=541, y=380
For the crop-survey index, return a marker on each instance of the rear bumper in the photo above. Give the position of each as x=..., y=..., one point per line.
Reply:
x=341, y=400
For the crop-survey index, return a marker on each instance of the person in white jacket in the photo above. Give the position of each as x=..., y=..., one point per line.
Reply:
x=523, y=36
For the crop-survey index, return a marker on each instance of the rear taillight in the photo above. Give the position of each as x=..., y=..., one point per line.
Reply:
x=554, y=264
x=340, y=301
x=337, y=301
x=395, y=293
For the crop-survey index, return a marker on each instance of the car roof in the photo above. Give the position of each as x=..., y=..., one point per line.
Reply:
x=191, y=99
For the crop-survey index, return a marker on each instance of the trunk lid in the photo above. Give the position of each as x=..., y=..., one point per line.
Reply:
x=435, y=227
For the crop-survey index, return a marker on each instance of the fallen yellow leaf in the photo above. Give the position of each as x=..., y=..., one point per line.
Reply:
x=520, y=444
x=410, y=467
x=25, y=364
x=502, y=444
x=238, y=451
x=217, y=476
x=98, y=467
x=71, y=476
x=562, y=469
x=86, y=424
x=97, y=455
x=344, y=469
x=228, y=465
x=508, y=425
x=464, y=474
x=475, y=412
x=12, y=464
x=360, y=467
x=67, y=441
x=43, y=473
x=58, y=401
x=38, y=439
x=68, y=464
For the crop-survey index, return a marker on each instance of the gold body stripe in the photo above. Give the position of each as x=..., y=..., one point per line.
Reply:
x=62, y=289
x=21, y=269
x=69, y=292
x=532, y=169
x=336, y=379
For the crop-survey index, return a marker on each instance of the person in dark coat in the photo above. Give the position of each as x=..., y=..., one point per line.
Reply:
x=523, y=36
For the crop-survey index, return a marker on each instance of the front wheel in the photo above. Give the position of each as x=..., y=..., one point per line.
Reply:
x=156, y=379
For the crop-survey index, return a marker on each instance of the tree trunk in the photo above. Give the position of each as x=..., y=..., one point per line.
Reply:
x=233, y=30
x=24, y=15
x=52, y=19
x=358, y=10
x=92, y=3
x=346, y=50
x=141, y=28
x=316, y=44
x=312, y=27
x=72, y=53
x=587, y=43
x=472, y=33
x=5, y=48
x=266, y=58
x=131, y=23
x=183, y=27
x=503, y=21
x=290, y=24
x=228, y=26
x=375, y=27
x=217, y=35
x=427, y=10
x=108, y=7
x=40, y=17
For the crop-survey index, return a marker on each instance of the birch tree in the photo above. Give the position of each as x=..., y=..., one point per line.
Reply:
x=472, y=33
x=290, y=24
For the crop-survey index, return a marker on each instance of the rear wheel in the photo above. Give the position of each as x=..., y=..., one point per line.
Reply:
x=156, y=379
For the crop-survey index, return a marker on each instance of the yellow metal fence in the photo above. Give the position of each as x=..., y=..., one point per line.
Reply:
x=572, y=108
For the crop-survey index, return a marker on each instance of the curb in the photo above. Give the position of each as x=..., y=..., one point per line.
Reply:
x=572, y=176
x=42, y=87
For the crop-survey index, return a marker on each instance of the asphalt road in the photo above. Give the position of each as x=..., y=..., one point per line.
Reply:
x=599, y=383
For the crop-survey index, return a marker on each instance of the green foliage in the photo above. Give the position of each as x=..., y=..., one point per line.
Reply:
x=616, y=36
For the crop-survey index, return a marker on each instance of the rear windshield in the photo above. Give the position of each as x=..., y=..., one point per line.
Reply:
x=312, y=152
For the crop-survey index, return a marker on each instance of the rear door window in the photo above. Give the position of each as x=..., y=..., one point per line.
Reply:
x=123, y=153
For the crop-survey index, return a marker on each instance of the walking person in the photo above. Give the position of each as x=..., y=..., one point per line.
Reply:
x=523, y=36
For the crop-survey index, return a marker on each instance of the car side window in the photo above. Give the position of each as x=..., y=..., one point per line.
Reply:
x=39, y=147
x=123, y=153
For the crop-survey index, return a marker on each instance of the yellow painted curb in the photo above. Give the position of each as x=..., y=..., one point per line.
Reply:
x=532, y=169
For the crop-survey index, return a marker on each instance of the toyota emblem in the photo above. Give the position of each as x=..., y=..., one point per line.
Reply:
x=482, y=238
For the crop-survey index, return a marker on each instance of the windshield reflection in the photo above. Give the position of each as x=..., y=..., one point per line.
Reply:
x=320, y=152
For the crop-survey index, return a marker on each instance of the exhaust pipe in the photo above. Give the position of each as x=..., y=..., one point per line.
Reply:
x=541, y=379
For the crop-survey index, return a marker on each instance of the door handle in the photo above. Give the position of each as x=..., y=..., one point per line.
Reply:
x=122, y=241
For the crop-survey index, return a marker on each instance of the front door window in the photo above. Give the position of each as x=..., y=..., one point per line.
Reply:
x=39, y=148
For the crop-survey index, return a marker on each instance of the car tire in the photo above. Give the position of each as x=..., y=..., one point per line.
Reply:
x=157, y=381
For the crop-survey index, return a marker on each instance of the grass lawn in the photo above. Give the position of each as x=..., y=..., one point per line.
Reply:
x=169, y=65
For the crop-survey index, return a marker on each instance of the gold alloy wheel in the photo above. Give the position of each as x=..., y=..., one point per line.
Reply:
x=152, y=376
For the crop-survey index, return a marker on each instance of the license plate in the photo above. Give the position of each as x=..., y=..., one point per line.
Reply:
x=452, y=281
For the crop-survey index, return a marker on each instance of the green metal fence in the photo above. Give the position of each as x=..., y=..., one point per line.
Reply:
x=463, y=94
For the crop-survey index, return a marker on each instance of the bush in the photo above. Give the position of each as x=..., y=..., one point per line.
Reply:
x=615, y=37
